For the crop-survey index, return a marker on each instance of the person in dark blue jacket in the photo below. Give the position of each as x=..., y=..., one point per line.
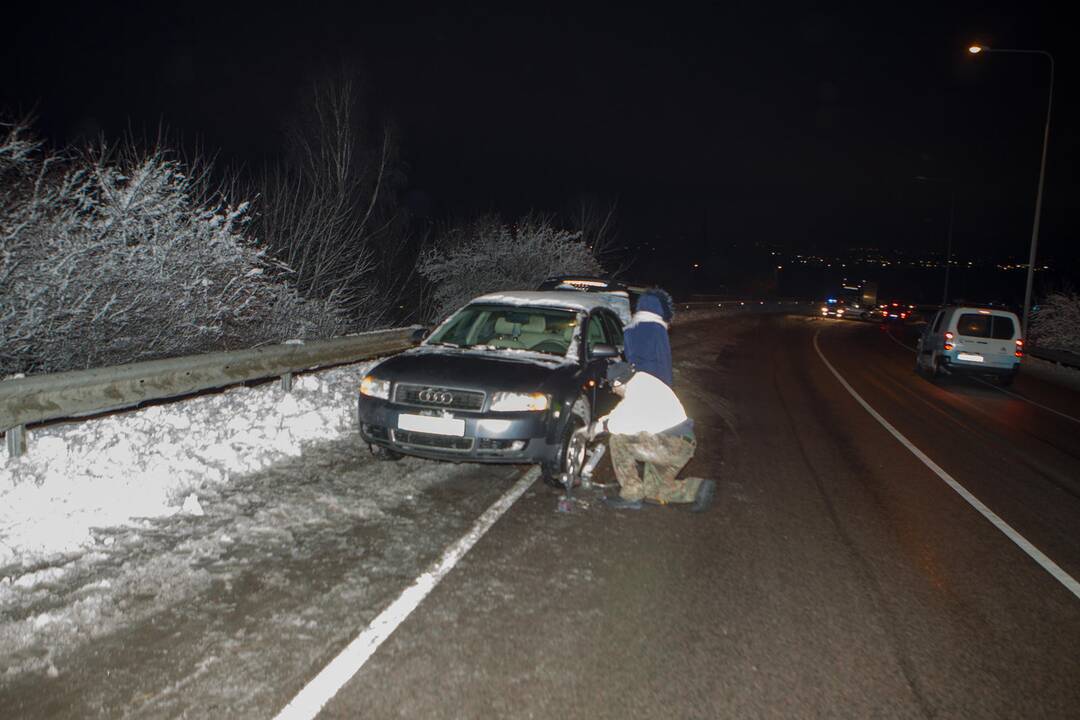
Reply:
x=645, y=341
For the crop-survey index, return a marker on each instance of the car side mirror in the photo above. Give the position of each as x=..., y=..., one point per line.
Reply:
x=418, y=335
x=604, y=351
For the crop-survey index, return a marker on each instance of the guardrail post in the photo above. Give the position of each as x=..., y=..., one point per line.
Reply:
x=286, y=382
x=16, y=440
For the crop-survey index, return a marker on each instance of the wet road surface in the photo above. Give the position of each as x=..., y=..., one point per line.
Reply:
x=836, y=575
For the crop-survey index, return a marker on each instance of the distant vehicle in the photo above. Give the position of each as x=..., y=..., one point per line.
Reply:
x=854, y=301
x=833, y=307
x=971, y=340
x=894, y=311
x=622, y=298
x=509, y=378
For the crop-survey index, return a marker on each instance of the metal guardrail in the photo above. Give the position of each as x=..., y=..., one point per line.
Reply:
x=24, y=401
x=759, y=306
x=1061, y=357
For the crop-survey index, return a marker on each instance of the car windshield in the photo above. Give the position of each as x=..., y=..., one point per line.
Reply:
x=498, y=327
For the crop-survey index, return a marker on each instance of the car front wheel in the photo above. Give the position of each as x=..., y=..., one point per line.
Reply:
x=569, y=456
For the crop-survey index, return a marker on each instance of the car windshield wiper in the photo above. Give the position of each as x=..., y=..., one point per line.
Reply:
x=443, y=343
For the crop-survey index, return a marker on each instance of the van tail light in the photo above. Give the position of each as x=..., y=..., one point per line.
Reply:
x=1019, y=348
x=948, y=340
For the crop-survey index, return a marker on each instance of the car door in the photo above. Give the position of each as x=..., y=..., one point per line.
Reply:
x=929, y=339
x=603, y=329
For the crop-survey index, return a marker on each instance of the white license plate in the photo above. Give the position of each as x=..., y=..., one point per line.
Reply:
x=433, y=425
x=970, y=357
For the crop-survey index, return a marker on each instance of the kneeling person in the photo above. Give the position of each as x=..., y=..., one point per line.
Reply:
x=650, y=430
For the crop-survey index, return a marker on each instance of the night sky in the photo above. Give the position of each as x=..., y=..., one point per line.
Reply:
x=795, y=125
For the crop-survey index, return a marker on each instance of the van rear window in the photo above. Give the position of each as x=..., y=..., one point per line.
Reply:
x=998, y=327
x=1004, y=328
x=972, y=325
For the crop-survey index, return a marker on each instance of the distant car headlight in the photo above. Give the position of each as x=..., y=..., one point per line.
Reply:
x=518, y=402
x=375, y=387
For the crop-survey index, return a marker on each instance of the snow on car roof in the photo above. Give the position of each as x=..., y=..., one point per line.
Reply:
x=567, y=299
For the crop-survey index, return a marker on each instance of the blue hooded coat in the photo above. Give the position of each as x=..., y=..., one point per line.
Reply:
x=645, y=341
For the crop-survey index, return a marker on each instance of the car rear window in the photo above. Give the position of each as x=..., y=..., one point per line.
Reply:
x=998, y=327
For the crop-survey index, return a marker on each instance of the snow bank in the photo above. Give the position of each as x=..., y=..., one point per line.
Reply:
x=152, y=462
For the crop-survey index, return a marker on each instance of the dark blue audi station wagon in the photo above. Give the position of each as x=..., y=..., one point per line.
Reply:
x=509, y=378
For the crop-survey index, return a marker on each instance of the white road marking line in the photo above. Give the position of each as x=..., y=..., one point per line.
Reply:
x=903, y=345
x=321, y=689
x=1001, y=390
x=1037, y=555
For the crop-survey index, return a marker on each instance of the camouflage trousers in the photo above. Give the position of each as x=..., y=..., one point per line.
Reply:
x=660, y=458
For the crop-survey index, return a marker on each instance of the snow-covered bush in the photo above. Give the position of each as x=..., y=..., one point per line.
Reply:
x=113, y=257
x=1056, y=323
x=490, y=255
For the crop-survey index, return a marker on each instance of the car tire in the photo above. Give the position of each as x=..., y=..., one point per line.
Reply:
x=384, y=454
x=552, y=470
x=935, y=373
x=919, y=368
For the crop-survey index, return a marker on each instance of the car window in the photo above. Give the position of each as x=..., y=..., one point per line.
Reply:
x=614, y=330
x=512, y=327
x=937, y=320
x=973, y=325
x=597, y=333
x=1003, y=327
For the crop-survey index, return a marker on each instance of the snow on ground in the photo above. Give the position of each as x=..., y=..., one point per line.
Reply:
x=156, y=461
x=164, y=514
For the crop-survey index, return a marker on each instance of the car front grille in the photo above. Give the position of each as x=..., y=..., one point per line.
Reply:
x=441, y=442
x=443, y=398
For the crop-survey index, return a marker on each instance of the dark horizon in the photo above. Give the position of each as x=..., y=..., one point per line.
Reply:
x=712, y=129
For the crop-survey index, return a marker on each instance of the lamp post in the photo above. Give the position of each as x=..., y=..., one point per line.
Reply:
x=948, y=236
x=976, y=50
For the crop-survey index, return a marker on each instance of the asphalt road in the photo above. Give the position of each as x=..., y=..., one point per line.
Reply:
x=836, y=576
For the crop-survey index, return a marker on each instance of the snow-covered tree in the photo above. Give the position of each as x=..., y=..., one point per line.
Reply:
x=1056, y=324
x=490, y=255
x=109, y=257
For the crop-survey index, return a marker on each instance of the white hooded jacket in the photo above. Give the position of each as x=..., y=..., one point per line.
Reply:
x=648, y=406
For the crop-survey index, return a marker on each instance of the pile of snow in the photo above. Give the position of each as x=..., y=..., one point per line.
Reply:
x=153, y=462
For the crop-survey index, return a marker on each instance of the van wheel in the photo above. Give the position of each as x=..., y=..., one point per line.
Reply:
x=936, y=373
x=569, y=457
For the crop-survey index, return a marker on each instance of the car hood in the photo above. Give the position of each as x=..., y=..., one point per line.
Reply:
x=475, y=369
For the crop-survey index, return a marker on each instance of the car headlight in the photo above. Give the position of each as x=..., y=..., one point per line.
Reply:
x=375, y=387
x=518, y=402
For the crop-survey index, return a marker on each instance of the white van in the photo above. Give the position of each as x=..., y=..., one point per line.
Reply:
x=971, y=340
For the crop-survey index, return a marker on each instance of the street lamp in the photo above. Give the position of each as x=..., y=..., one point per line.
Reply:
x=948, y=236
x=976, y=50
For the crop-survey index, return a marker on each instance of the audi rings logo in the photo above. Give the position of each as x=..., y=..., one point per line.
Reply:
x=435, y=397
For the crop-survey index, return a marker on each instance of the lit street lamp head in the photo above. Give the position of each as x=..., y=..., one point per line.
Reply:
x=976, y=49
